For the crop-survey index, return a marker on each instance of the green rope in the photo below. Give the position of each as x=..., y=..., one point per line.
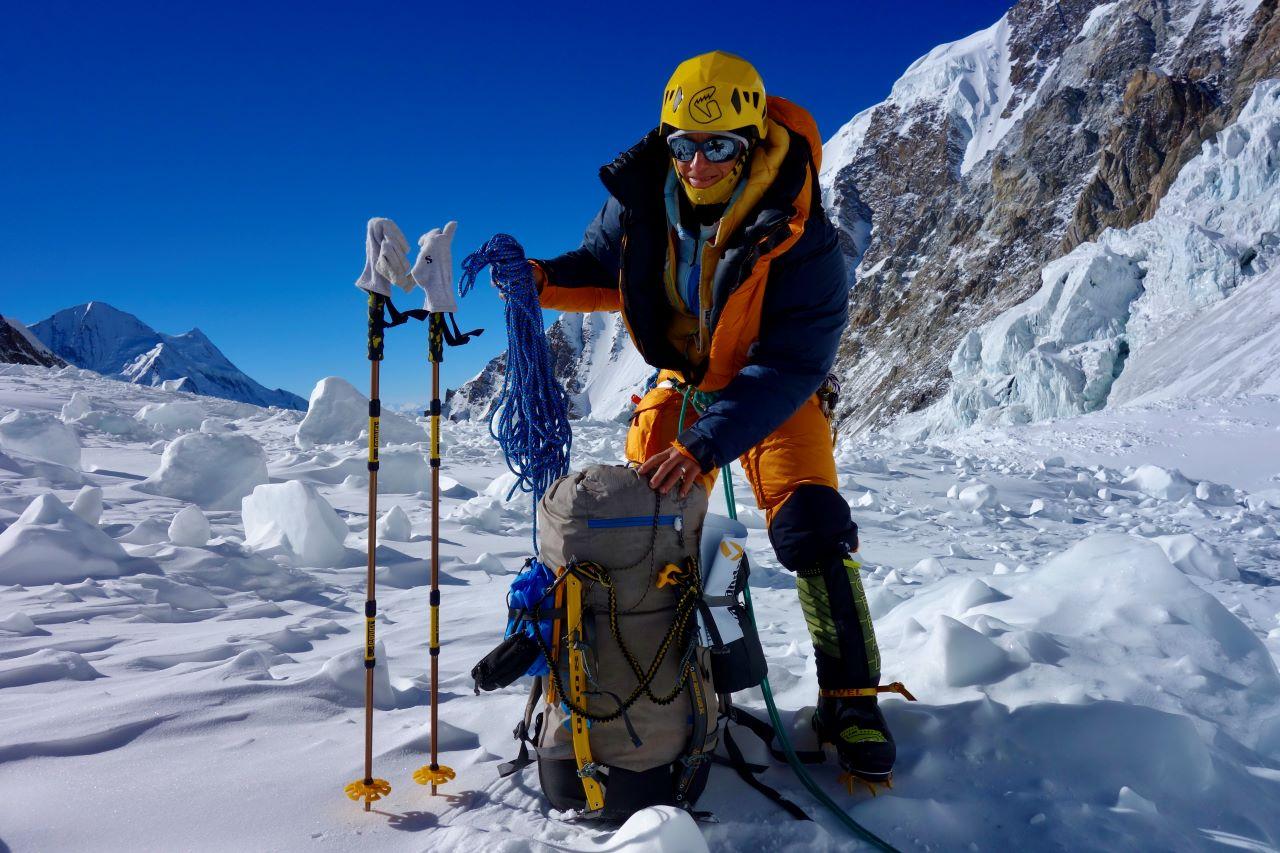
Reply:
x=796, y=767
x=728, y=492
x=700, y=400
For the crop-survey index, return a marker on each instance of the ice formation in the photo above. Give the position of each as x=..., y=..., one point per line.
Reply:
x=1198, y=558
x=173, y=418
x=190, y=527
x=88, y=504
x=297, y=514
x=1093, y=654
x=214, y=471
x=394, y=526
x=42, y=436
x=339, y=413
x=51, y=544
x=1104, y=309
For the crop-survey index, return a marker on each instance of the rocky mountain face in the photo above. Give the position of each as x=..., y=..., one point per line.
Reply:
x=997, y=154
x=99, y=337
x=1179, y=305
x=593, y=358
x=19, y=346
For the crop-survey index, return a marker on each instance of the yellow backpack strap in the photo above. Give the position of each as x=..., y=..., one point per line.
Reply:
x=587, y=769
x=552, y=698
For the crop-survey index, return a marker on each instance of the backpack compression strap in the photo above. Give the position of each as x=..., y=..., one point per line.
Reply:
x=696, y=753
x=587, y=768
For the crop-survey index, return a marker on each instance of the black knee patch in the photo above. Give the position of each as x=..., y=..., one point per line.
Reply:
x=812, y=527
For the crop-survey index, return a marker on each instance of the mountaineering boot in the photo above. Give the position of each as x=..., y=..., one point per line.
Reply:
x=848, y=660
x=860, y=735
x=814, y=536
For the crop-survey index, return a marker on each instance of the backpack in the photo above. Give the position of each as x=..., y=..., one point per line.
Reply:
x=628, y=707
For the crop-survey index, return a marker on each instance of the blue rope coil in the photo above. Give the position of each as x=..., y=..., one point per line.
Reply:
x=531, y=418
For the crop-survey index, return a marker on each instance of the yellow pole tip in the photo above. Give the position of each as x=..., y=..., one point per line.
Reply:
x=438, y=776
x=368, y=791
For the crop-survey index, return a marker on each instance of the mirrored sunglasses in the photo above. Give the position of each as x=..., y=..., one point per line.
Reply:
x=717, y=149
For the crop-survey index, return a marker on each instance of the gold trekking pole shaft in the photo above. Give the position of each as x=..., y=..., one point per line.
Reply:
x=370, y=789
x=435, y=774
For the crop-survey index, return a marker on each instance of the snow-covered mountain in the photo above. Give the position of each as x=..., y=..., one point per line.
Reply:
x=104, y=339
x=593, y=357
x=19, y=346
x=999, y=153
x=1135, y=313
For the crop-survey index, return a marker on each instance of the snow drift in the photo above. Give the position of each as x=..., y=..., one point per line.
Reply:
x=214, y=471
x=51, y=544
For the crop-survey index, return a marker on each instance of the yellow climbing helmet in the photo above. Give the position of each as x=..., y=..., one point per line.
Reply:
x=715, y=92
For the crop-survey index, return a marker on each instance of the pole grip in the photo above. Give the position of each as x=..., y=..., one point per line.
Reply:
x=435, y=338
x=377, y=325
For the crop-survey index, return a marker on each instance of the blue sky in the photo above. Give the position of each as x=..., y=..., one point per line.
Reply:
x=213, y=165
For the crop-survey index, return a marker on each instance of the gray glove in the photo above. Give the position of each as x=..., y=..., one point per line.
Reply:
x=386, y=262
x=433, y=271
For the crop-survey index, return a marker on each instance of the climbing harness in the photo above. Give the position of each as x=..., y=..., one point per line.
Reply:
x=530, y=419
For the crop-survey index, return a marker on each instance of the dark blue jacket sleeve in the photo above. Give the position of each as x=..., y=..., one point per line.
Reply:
x=595, y=262
x=806, y=307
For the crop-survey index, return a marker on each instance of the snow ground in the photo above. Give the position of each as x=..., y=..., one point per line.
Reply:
x=1084, y=681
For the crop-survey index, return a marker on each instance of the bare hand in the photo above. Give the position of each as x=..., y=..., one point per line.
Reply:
x=670, y=467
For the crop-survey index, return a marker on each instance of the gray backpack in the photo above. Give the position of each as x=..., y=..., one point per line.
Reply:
x=629, y=719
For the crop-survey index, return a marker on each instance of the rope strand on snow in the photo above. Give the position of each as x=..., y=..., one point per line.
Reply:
x=531, y=417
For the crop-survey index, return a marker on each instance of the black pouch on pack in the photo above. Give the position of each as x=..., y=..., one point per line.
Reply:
x=510, y=660
x=740, y=663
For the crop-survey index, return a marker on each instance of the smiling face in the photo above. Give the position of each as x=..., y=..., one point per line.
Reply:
x=700, y=172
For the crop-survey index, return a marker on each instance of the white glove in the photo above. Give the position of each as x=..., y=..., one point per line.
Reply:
x=434, y=269
x=385, y=260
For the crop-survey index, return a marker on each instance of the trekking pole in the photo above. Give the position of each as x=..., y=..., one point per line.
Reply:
x=433, y=272
x=435, y=774
x=370, y=789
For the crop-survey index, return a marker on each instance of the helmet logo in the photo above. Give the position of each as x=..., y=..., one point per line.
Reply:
x=703, y=106
x=677, y=100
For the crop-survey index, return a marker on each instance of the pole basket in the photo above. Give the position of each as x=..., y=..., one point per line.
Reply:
x=433, y=774
x=369, y=790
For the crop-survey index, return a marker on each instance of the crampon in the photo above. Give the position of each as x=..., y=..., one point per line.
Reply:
x=854, y=783
x=851, y=721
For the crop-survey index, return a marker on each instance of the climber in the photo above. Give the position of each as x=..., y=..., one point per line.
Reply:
x=714, y=245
